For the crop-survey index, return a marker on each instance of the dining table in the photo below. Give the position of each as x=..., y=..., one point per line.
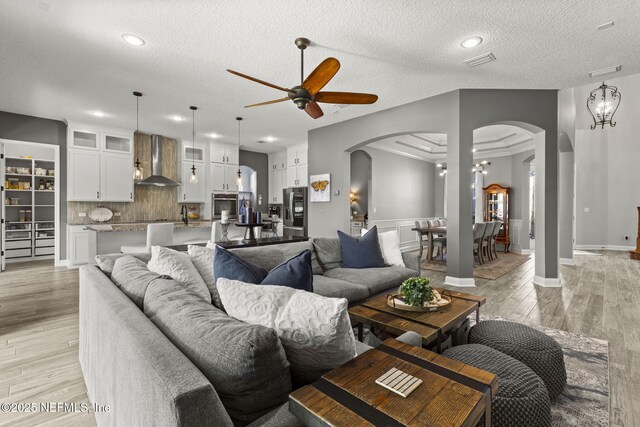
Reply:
x=429, y=231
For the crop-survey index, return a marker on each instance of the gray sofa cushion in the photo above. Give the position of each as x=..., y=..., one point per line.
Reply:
x=328, y=252
x=336, y=288
x=269, y=257
x=107, y=261
x=376, y=279
x=245, y=363
x=132, y=277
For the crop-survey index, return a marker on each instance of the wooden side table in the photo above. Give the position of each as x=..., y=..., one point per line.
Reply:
x=451, y=394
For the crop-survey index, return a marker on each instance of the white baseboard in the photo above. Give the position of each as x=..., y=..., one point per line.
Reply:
x=604, y=247
x=547, y=282
x=462, y=282
x=567, y=261
x=63, y=263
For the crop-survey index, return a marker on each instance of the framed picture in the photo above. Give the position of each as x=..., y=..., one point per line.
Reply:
x=320, y=188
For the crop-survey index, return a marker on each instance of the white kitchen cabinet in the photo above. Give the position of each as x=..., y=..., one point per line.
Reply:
x=116, y=142
x=297, y=176
x=224, y=177
x=116, y=184
x=297, y=155
x=225, y=153
x=100, y=164
x=193, y=153
x=83, y=178
x=83, y=138
x=190, y=192
x=276, y=185
x=278, y=161
x=78, y=245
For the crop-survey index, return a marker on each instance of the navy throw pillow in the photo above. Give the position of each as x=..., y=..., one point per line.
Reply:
x=363, y=252
x=230, y=266
x=295, y=273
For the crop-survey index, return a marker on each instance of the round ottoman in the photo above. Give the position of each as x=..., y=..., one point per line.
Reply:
x=522, y=398
x=538, y=351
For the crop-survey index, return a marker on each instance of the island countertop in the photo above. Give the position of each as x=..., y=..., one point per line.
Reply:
x=141, y=226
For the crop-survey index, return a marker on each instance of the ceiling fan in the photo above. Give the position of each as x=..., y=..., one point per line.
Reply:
x=307, y=95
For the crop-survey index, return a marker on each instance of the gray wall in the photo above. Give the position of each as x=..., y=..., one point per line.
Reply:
x=607, y=163
x=402, y=187
x=361, y=186
x=260, y=163
x=35, y=129
x=457, y=114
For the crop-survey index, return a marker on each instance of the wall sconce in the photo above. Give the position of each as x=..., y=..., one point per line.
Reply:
x=353, y=197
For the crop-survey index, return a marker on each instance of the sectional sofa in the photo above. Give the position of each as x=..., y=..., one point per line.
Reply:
x=170, y=358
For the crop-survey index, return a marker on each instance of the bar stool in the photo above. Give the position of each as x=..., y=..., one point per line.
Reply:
x=160, y=234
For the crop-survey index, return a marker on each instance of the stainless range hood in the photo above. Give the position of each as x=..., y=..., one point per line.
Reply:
x=156, y=178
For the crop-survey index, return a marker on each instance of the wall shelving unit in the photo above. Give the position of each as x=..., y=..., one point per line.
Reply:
x=30, y=188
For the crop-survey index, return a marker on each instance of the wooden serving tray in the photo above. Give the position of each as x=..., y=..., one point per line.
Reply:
x=395, y=301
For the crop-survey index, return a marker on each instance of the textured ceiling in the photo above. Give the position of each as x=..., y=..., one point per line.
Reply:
x=488, y=141
x=63, y=59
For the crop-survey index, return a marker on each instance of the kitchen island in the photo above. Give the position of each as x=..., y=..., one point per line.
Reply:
x=108, y=238
x=241, y=243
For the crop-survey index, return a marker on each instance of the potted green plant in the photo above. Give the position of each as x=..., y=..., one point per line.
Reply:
x=415, y=291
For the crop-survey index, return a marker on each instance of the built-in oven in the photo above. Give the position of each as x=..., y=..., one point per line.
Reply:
x=224, y=202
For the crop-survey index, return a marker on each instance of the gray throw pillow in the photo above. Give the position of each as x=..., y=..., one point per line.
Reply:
x=132, y=277
x=178, y=265
x=203, y=258
x=107, y=261
x=246, y=364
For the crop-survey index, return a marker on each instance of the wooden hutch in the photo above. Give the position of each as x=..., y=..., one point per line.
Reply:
x=496, y=208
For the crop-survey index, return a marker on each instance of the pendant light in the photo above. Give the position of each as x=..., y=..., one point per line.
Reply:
x=602, y=104
x=137, y=171
x=193, y=179
x=239, y=119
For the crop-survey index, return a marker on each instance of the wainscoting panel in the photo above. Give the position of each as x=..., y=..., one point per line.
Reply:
x=408, y=238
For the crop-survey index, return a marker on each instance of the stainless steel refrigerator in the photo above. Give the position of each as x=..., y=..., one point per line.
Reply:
x=295, y=215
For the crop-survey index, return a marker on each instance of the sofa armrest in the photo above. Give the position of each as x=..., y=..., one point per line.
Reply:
x=412, y=260
x=128, y=364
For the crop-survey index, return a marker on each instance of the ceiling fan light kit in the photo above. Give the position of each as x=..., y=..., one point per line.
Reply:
x=307, y=95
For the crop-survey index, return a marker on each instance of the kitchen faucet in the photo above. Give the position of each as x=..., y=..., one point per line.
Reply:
x=185, y=214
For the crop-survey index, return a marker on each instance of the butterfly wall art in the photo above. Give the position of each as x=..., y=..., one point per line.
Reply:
x=320, y=188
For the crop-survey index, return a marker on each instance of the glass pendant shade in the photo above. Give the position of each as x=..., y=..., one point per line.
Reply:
x=602, y=105
x=193, y=179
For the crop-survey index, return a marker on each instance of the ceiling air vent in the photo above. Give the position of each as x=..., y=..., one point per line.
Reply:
x=479, y=60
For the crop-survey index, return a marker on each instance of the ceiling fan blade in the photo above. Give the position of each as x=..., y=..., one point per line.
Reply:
x=346, y=98
x=258, y=80
x=321, y=75
x=275, y=101
x=313, y=109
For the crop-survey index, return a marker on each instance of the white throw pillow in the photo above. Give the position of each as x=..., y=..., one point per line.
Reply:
x=315, y=331
x=390, y=247
x=179, y=267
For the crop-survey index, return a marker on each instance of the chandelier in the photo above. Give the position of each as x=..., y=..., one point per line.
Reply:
x=602, y=105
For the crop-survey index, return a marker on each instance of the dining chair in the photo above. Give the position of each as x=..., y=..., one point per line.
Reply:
x=494, y=238
x=160, y=234
x=439, y=242
x=478, y=235
x=486, y=239
x=421, y=237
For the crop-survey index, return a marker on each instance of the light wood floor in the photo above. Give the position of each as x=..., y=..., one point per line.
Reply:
x=39, y=328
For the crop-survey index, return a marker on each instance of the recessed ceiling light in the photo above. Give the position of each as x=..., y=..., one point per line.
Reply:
x=98, y=114
x=471, y=42
x=473, y=150
x=132, y=39
x=439, y=165
x=177, y=118
x=270, y=139
x=214, y=135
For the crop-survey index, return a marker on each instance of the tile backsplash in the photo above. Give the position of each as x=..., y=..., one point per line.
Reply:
x=150, y=203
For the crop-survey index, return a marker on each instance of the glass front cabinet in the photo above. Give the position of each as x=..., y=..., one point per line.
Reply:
x=496, y=208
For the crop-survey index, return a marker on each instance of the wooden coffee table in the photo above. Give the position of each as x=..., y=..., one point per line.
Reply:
x=451, y=393
x=430, y=326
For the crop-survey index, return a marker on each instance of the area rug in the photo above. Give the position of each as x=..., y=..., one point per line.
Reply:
x=585, y=399
x=491, y=270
